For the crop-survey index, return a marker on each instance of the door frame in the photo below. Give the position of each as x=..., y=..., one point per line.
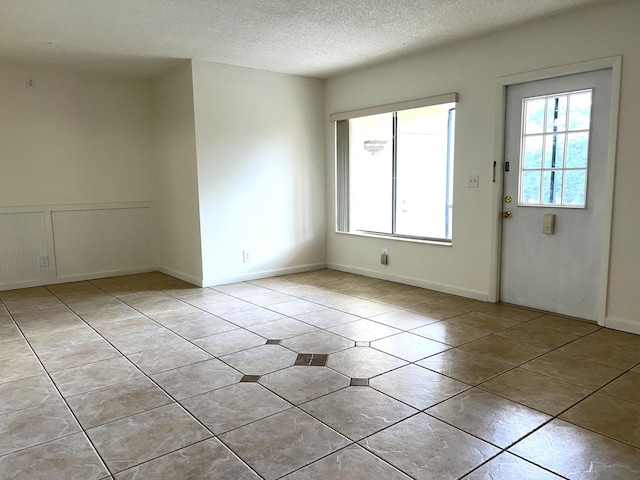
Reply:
x=615, y=65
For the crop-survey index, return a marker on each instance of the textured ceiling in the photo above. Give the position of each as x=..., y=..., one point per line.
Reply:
x=318, y=38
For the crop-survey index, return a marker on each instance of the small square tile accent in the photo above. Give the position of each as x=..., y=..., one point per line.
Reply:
x=359, y=382
x=250, y=378
x=363, y=344
x=273, y=342
x=312, y=359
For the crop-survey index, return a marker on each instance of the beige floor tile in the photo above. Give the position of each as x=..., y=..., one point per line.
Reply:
x=609, y=416
x=357, y=412
x=203, y=327
x=127, y=326
x=229, y=342
x=351, y=463
x=233, y=406
x=514, y=313
x=579, y=371
x=438, y=310
x=403, y=319
x=261, y=360
x=626, y=387
x=541, y=392
x=489, y=417
x=318, y=341
x=168, y=357
x=417, y=386
x=92, y=376
x=282, y=328
x=197, y=378
x=410, y=297
x=252, y=316
x=145, y=436
x=114, y=402
x=617, y=337
x=9, y=331
x=364, y=330
x=404, y=446
x=464, y=366
x=15, y=348
x=48, y=321
x=27, y=392
x=269, y=298
x=366, y=308
x=64, y=338
x=106, y=317
x=576, y=453
x=598, y=350
x=299, y=384
x=65, y=458
x=450, y=333
x=16, y=368
x=564, y=324
x=327, y=298
x=468, y=303
x=509, y=467
x=282, y=443
x=363, y=362
x=146, y=340
x=327, y=317
x=539, y=336
x=206, y=460
x=75, y=355
x=504, y=349
x=484, y=321
x=409, y=347
x=34, y=425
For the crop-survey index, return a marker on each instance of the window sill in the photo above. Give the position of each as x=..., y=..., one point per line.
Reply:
x=442, y=243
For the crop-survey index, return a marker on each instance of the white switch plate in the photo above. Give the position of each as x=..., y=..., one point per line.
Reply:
x=246, y=256
x=473, y=181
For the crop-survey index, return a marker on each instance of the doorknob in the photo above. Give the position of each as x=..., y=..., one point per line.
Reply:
x=506, y=214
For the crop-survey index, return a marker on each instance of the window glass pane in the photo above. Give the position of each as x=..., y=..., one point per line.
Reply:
x=557, y=106
x=577, y=150
x=575, y=187
x=533, y=151
x=370, y=173
x=554, y=150
x=531, y=188
x=580, y=111
x=534, y=115
x=423, y=172
x=552, y=188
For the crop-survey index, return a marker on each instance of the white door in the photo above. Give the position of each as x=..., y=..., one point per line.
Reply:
x=556, y=143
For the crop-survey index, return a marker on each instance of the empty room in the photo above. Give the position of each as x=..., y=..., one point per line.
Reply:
x=319, y=240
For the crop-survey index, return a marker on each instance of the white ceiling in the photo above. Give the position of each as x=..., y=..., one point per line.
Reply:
x=317, y=38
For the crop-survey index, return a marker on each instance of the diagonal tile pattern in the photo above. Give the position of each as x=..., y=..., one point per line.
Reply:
x=315, y=375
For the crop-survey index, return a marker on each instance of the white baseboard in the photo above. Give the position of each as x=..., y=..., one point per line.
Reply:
x=76, y=278
x=623, y=324
x=263, y=274
x=416, y=282
x=182, y=276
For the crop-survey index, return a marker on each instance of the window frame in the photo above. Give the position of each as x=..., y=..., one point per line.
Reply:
x=341, y=121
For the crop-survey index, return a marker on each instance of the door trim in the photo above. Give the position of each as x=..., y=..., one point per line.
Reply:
x=615, y=65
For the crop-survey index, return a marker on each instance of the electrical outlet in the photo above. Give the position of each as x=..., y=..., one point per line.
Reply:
x=246, y=256
x=30, y=82
x=384, y=257
x=44, y=260
x=473, y=181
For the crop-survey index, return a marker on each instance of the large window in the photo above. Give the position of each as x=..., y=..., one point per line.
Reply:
x=395, y=171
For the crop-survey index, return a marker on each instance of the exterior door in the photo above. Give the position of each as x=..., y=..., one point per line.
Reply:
x=554, y=196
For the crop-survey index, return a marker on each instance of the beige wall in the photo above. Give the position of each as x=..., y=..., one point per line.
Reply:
x=77, y=137
x=261, y=177
x=472, y=69
x=177, y=221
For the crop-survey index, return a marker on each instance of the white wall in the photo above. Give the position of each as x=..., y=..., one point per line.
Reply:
x=261, y=176
x=177, y=222
x=76, y=147
x=472, y=68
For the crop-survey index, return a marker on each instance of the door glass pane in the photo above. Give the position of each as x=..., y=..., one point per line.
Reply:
x=557, y=113
x=370, y=173
x=575, y=188
x=534, y=115
x=577, y=150
x=552, y=187
x=531, y=188
x=554, y=150
x=533, y=151
x=580, y=111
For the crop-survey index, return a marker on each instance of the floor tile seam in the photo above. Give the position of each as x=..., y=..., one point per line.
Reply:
x=580, y=335
x=448, y=344
x=507, y=452
x=40, y=444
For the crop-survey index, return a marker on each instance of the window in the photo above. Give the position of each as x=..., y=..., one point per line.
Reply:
x=555, y=150
x=395, y=170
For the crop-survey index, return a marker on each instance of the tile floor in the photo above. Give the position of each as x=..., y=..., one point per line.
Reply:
x=320, y=375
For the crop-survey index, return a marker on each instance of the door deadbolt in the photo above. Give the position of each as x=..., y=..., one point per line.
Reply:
x=507, y=199
x=506, y=214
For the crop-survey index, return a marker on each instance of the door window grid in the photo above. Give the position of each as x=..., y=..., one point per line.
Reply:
x=555, y=150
